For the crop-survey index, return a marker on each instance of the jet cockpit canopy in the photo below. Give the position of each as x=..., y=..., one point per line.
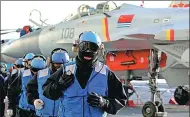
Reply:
x=86, y=10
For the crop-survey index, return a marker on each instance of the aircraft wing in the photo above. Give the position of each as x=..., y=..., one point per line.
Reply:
x=165, y=32
x=144, y=37
x=179, y=52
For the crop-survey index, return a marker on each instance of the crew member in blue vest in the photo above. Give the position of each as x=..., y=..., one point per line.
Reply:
x=23, y=109
x=38, y=63
x=88, y=88
x=32, y=87
x=44, y=106
x=12, y=93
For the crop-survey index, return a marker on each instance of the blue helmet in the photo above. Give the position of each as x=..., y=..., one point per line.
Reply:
x=60, y=57
x=29, y=56
x=90, y=37
x=58, y=50
x=19, y=61
x=38, y=62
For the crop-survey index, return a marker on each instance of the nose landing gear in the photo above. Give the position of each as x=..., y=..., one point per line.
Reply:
x=154, y=108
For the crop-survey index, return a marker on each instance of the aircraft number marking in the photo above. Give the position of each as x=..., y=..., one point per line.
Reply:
x=68, y=33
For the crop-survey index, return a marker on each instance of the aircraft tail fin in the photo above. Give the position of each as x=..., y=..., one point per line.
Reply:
x=179, y=4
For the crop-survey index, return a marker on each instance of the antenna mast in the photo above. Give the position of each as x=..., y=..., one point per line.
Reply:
x=142, y=4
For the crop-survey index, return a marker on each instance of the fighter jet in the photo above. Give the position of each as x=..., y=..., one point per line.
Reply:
x=136, y=38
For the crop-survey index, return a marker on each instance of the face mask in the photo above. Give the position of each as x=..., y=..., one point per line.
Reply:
x=56, y=66
x=87, y=57
x=88, y=52
x=34, y=70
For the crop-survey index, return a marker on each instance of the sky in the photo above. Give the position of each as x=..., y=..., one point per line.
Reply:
x=15, y=14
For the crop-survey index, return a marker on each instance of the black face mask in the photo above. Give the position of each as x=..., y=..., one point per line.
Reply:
x=92, y=55
x=88, y=52
x=55, y=68
x=19, y=66
x=35, y=70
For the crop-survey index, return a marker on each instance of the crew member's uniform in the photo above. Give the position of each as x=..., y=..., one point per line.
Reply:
x=34, y=88
x=51, y=106
x=2, y=96
x=87, y=88
x=34, y=91
x=13, y=90
x=24, y=109
x=13, y=87
x=110, y=87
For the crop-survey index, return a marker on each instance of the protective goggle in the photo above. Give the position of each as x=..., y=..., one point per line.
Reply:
x=26, y=60
x=19, y=66
x=84, y=46
x=26, y=63
x=35, y=69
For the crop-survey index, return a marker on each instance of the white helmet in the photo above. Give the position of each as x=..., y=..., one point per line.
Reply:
x=3, y=68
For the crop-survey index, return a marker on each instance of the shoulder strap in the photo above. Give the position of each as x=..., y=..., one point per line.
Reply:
x=27, y=73
x=43, y=73
x=101, y=68
x=14, y=71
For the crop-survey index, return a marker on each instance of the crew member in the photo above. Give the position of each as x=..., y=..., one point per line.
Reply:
x=23, y=109
x=2, y=89
x=54, y=63
x=12, y=92
x=88, y=88
x=3, y=70
x=46, y=107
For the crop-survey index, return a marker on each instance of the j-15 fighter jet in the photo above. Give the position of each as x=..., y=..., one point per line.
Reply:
x=154, y=40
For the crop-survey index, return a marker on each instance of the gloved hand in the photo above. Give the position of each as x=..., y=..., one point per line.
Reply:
x=38, y=103
x=96, y=100
x=10, y=112
x=66, y=80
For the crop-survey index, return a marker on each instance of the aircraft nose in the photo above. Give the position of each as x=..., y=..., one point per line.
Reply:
x=7, y=59
x=19, y=47
x=13, y=49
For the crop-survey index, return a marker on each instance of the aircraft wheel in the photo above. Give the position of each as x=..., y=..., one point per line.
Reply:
x=160, y=108
x=181, y=95
x=149, y=109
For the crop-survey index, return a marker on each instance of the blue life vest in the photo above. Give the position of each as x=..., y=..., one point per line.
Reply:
x=50, y=107
x=61, y=109
x=74, y=99
x=23, y=103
